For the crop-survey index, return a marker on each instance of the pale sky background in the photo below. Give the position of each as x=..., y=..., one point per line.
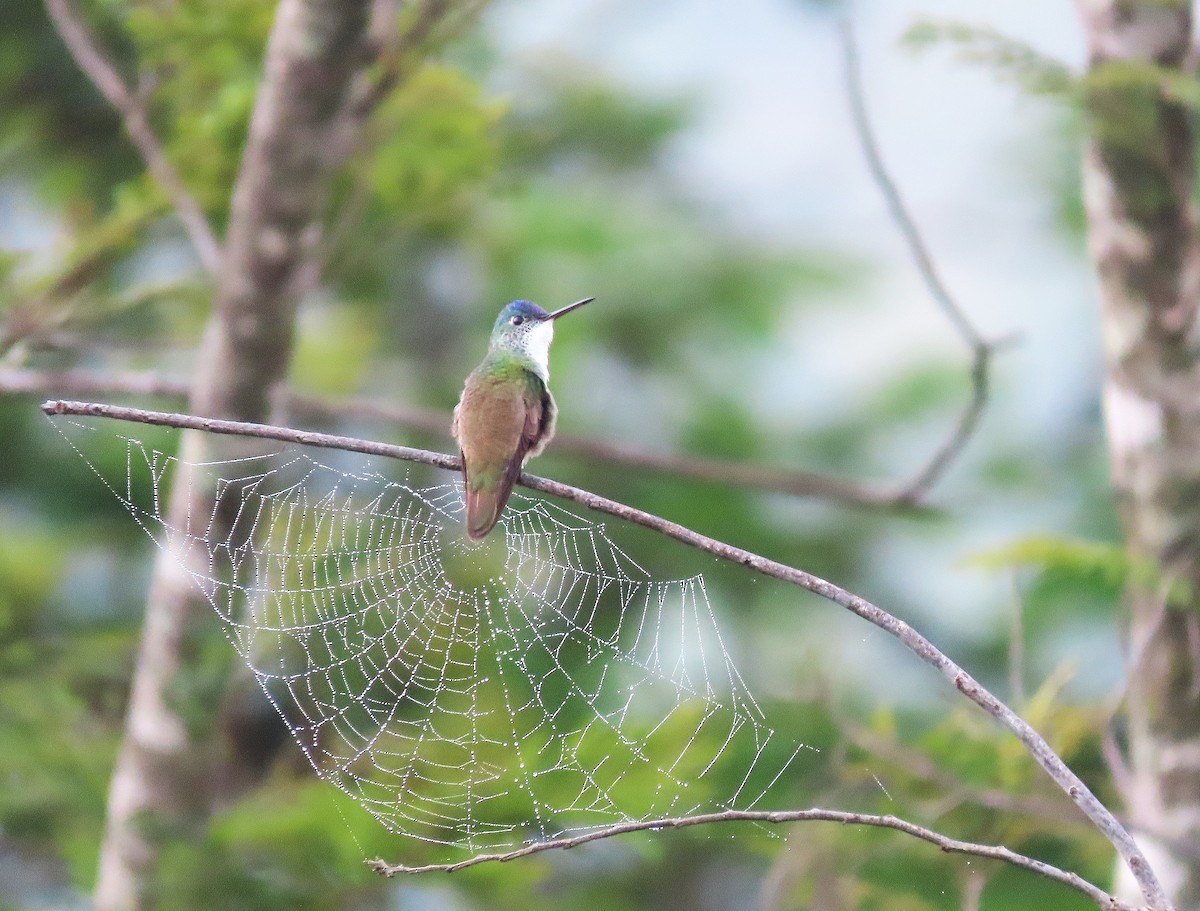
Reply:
x=775, y=148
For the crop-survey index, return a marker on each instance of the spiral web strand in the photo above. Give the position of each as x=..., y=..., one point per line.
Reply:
x=538, y=684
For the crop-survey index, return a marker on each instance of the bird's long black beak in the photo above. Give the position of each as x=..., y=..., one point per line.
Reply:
x=567, y=309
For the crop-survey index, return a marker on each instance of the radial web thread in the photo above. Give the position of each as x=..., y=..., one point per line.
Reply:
x=538, y=684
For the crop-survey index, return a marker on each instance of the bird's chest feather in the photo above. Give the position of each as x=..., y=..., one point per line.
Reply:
x=491, y=416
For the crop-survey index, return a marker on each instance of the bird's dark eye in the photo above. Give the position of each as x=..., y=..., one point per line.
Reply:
x=517, y=320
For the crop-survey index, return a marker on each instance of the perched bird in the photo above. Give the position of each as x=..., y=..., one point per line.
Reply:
x=506, y=412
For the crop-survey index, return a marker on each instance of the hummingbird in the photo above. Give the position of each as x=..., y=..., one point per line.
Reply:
x=506, y=413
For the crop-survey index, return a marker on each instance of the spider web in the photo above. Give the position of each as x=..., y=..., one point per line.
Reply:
x=537, y=684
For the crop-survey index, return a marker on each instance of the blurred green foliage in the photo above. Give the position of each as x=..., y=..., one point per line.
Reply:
x=1106, y=568
x=1032, y=71
x=460, y=200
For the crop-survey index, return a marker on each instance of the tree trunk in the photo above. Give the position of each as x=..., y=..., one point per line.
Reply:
x=1138, y=181
x=164, y=772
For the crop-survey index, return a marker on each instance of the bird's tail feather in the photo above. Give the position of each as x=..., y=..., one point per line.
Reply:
x=483, y=512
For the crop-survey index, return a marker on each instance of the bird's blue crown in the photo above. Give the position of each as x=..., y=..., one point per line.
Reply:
x=527, y=309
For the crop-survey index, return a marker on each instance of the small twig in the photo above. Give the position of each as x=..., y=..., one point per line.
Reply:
x=945, y=843
x=1102, y=818
x=891, y=193
x=732, y=474
x=426, y=420
x=18, y=381
x=981, y=350
x=963, y=430
x=129, y=104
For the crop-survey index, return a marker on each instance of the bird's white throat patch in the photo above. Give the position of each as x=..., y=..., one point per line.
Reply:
x=531, y=341
x=539, y=338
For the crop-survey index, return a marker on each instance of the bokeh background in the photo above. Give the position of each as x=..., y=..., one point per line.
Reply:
x=696, y=169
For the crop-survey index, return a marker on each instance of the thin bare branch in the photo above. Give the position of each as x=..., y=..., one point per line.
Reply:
x=18, y=381
x=737, y=474
x=1103, y=819
x=945, y=843
x=307, y=407
x=981, y=351
x=892, y=196
x=87, y=52
x=717, y=471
